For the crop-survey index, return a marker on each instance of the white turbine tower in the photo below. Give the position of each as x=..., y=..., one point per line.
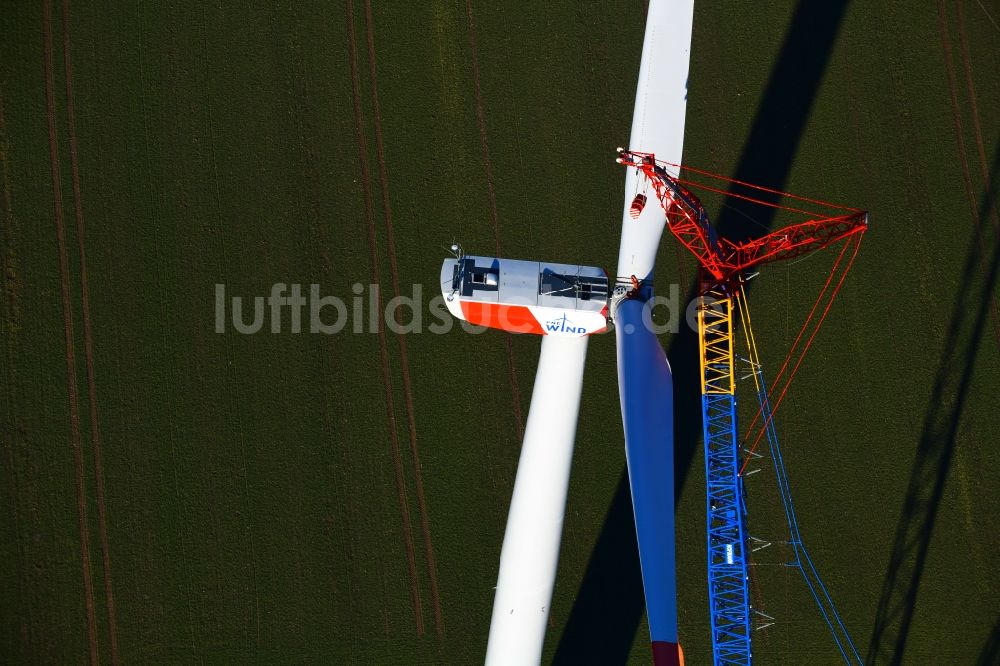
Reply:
x=566, y=304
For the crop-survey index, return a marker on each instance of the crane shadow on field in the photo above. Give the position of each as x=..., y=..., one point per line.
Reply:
x=939, y=435
x=609, y=606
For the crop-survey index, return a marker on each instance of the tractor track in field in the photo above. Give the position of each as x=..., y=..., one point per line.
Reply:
x=491, y=194
x=962, y=148
x=481, y=122
x=11, y=277
x=974, y=208
x=963, y=44
x=88, y=342
x=383, y=346
x=857, y=124
x=11, y=294
x=67, y=310
x=403, y=356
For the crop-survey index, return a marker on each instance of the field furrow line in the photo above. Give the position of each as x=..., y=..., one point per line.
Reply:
x=481, y=122
x=236, y=397
x=963, y=151
x=991, y=203
x=10, y=297
x=67, y=309
x=366, y=187
x=88, y=341
x=491, y=194
x=400, y=337
x=974, y=107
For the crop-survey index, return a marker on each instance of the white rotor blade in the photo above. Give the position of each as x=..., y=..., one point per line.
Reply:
x=534, y=525
x=657, y=124
x=644, y=378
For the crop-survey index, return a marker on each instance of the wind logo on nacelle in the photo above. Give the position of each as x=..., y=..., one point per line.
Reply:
x=563, y=325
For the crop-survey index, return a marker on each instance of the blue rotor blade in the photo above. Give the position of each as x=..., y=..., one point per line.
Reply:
x=646, y=391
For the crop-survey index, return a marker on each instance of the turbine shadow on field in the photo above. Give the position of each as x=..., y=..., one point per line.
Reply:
x=990, y=654
x=937, y=442
x=609, y=606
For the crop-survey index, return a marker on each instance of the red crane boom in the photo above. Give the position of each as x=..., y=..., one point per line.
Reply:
x=722, y=258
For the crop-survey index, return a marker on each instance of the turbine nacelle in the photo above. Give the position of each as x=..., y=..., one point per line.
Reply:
x=526, y=296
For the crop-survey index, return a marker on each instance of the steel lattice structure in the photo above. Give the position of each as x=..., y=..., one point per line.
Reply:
x=722, y=263
x=723, y=259
x=725, y=509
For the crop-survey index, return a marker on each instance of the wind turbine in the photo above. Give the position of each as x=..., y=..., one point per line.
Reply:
x=566, y=304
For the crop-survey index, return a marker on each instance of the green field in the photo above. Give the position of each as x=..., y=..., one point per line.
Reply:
x=171, y=494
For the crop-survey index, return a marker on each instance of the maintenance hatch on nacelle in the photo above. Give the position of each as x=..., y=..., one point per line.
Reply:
x=526, y=296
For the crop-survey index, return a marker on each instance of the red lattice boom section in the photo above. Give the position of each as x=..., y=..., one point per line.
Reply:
x=722, y=258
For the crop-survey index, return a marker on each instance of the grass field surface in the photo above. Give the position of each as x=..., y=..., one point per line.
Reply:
x=171, y=494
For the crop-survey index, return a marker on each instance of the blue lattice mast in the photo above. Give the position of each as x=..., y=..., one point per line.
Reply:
x=725, y=510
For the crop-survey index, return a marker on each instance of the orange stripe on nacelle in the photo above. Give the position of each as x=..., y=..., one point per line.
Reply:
x=512, y=318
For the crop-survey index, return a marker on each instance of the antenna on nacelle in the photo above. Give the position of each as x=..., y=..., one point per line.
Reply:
x=456, y=250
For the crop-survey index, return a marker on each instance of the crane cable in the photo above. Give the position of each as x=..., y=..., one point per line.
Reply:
x=743, y=308
x=803, y=560
x=808, y=344
x=760, y=188
x=742, y=304
x=769, y=204
x=798, y=338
